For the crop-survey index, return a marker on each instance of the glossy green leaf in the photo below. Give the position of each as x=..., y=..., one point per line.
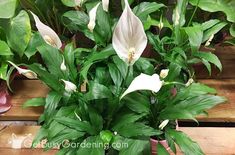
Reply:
x=145, y=8
x=106, y=136
x=97, y=91
x=210, y=57
x=213, y=30
x=4, y=49
x=35, y=102
x=145, y=66
x=7, y=8
x=3, y=71
x=161, y=150
x=19, y=33
x=226, y=6
x=208, y=24
x=188, y=146
x=69, y=3
x=115, y=74
x=69, y=57
x=195, y=35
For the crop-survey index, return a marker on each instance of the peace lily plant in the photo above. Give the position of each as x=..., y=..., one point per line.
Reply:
x=105, y=97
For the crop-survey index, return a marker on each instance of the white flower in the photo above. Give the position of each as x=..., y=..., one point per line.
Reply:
x=209, y=40
x=129, y=39
x=190, y=81
x=69, y=86
x=144, y=82
x=164, y=73
x=163, y=124
x=47, y=33
x=92, y=17
x=26, y=72
x=105, y=4
x=62, y=66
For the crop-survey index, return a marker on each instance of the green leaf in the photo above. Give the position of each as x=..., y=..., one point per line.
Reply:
x=207, y=64
x=115, y=74
x=52, y=101
x=4, y=49
x=144, y=66
x=232, y=30
x=179, y=13
x=69, y=57
x=210, y=57
x=142, y=105
x=145, y=8
x=106, y=136
x=94, y=149
x=208, y=24
x=41, y=134
x=132, y=146
x=35, y=102
x=48, y=54
x=78, y=125
x=96, y=57
x=188, y=146
x=69, y=3
x=97, y=91
x=213, y=30
x=195, y=35
x=7, y=8
x=161, y=150
x=226, y=6
x=46, y=77
x=96, y=119
x=3, y=71
x=137, y=129
x=35, y=41
x=121, y=65
x=19, y=33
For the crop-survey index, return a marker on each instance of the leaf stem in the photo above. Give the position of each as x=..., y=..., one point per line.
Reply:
x=195, y=9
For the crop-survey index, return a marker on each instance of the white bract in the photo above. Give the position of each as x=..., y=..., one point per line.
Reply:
x=92, y=18
x=105, y=4
x=144, y=82
x=26, y=72
x=208, y=42
x=62, y=66
x=129, y=39
x=164, y=73
x=69, y=86
x=163, y=124
x=190, y=81
x=47, y=33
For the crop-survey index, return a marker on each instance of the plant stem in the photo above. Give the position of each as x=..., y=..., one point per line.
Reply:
x=195, y=9
x=173, y=83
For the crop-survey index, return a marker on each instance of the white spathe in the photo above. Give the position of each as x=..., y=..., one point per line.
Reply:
x=129, y=39
x=144, y=82
x=164, y=73
x=92, y=18
x=47, y=33
x=163, y=124
x=69, y=86
x=105, y=4
x=26, y=72
x=63, y=66
x=190, y=81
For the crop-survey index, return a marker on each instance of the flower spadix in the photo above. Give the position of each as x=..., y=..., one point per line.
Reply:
x=92, y=17
x=105, y=4
x=47, y=33
x=129, y=39
x=69, y=86
x=26, y=72
x=144, y=82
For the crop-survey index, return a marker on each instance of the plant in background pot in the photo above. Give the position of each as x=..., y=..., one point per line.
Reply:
x=107, y=99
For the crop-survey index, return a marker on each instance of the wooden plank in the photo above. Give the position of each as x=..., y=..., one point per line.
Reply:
x=222, y=112
x=24, y=90
x=26, y=152
x=227, y=56
x=213, y=141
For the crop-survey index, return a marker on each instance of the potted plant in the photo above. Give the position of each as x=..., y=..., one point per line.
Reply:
x=107, y=99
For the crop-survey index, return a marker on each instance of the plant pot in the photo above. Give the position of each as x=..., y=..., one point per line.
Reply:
x=5, y=103
x=154, y=143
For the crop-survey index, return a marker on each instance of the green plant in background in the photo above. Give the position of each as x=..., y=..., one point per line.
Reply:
x=98, y=90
